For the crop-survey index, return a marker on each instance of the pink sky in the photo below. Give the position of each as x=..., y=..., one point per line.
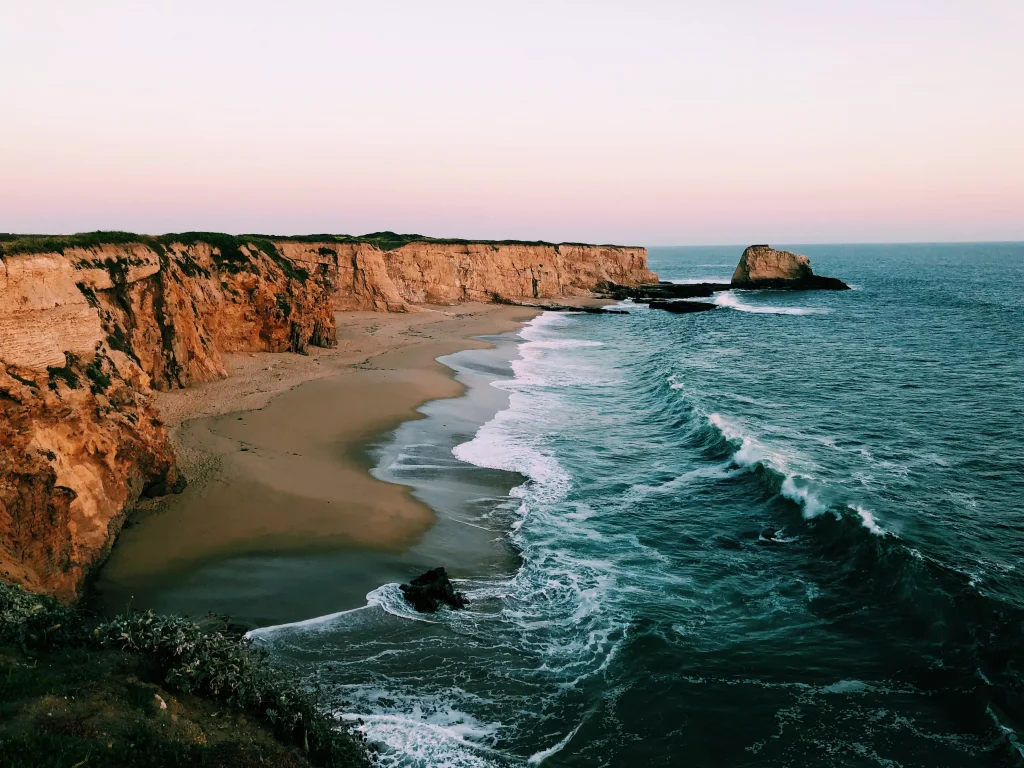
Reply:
x=636, y=122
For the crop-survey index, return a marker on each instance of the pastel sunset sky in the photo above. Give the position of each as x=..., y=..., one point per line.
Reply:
x=640, y=122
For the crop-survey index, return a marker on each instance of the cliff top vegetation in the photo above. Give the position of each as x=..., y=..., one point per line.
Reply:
x=11, y=244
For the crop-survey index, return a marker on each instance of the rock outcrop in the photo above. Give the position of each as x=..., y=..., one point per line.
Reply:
x=682, y=307
x=448, y=272
x=89, y=324
x=427, y=593
x=86, y=329
x=762, y=266
x=78, y=444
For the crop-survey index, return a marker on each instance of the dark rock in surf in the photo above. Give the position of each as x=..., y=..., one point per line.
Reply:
x=762, y=266
x=682, y=307
x=496, y=299
x=430, y=591
x=663, y=290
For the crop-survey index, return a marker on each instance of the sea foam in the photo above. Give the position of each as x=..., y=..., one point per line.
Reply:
x=803, y=489
x=732, y=301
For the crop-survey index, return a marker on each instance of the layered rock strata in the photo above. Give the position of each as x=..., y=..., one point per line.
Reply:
x=85, y=332
x=89, y=324
x=371, y=278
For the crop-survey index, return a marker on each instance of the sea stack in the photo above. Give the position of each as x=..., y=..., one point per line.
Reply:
x=761, y=266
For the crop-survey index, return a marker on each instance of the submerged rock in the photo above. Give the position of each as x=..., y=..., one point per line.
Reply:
x=682, y=307
x=761, y=266
x=428, y=592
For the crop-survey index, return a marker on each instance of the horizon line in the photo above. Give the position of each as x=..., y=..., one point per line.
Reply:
x=520, y=239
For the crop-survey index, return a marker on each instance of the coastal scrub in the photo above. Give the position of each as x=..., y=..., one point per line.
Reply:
x=137, y=659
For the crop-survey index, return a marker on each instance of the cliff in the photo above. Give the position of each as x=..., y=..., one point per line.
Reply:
x=86, y=329
x=391, y=273
x=89, y=324
x=762, y=266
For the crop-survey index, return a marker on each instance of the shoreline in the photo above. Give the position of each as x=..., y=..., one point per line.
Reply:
x=270, y=448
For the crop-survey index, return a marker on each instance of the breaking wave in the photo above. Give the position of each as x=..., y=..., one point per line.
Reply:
x=732, y=301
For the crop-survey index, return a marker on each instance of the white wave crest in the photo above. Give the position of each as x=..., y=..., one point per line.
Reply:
x=314, y=624
x=539, y=757
x=446, y=737
x=564, y=343
x=731, y=300
x=801, y=488
x=749, y=452
x=868, y=521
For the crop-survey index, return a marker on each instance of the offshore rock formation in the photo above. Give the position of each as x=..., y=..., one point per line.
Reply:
x=759, y=267
x=89, y=324
x=762, y=266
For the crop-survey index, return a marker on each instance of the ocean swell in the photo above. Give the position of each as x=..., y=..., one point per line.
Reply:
x=813, y=496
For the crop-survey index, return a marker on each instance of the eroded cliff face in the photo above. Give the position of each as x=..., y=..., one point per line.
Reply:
x=90, y=324
x=84, y=334
x=79, y=443
x=447, y=274
x=362, y=278
x=370, y=278
x=176, y=309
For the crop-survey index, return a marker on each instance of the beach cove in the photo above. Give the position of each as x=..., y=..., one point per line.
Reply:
x=279, y=469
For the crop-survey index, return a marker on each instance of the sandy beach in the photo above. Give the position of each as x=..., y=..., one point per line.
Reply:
x=276, y=454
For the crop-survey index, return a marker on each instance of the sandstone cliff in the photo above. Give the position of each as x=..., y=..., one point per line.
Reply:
x=86, y=328
x=392, y=276
x=762, y=266
x=90, y=323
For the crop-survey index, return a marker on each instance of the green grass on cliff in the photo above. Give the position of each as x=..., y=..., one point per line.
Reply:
x=11, y=244
x=75, y=691
x=389, y=241
x=230, y=255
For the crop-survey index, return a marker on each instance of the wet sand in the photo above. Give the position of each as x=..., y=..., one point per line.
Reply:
x=276, y=454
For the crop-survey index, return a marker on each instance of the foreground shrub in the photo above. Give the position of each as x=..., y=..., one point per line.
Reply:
x=192, y=660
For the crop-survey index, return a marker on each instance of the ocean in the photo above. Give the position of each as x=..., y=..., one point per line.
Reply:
x=788, y=532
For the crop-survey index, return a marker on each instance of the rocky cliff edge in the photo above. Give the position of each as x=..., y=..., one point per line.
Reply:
x=89, y=324
x=86, y=329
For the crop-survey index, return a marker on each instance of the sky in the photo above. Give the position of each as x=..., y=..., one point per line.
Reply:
x=636, y=122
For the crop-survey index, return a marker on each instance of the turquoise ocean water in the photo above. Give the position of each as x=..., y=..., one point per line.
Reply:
x=788, y=532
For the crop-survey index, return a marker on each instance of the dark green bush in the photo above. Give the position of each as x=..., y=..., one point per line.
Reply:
x=117, y=340
x=65, y=373
x=193, y=660
x=14, y=244
x=35, y=621
x=100, y=380
x=228, y=254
